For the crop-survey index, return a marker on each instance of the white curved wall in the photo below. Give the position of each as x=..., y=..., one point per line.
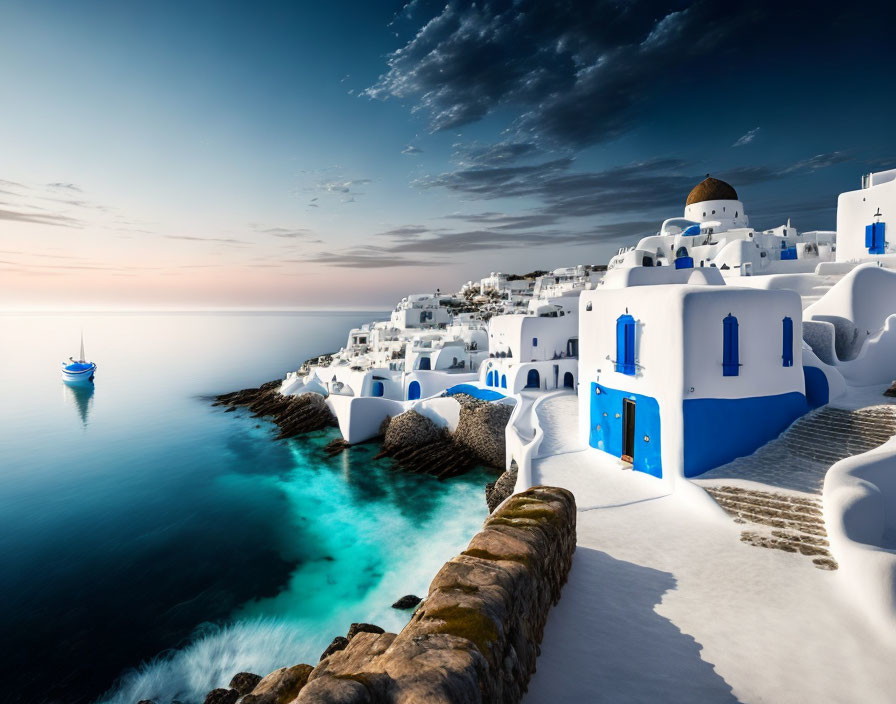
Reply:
x=860, y=516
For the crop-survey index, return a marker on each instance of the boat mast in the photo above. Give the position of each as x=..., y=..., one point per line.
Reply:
x=82, y=346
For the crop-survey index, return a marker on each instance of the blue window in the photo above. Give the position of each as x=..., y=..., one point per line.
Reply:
x=730, y=347
x=625, y=344
x=535, y=342
x=424, y=364
x=413, y=391
x=503, y=381
x=874, y=238
x=787, y=330
x=490, y=379
x=377, y=388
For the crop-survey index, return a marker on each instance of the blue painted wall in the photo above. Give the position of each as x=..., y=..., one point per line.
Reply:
x=606, y=428
x=817, y=390
x=718, y=430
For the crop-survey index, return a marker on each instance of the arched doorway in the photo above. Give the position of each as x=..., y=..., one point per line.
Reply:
x=413, y=391
x=533, y=379
x=569, y=381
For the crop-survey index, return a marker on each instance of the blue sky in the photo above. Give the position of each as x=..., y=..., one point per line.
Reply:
x=295, y=154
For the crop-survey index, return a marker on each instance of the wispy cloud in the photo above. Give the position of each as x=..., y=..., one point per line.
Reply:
x=285, y=232
x=745, y=139
x=411, y=150
x=65, y=186
x=219, y=240
x=41, y=219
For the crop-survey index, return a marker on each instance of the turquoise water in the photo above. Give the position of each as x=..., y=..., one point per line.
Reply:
x=153, y=546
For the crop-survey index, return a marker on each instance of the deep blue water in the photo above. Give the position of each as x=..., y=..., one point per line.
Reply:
x=152, y=546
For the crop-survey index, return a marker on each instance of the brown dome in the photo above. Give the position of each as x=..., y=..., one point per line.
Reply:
x=711, y=189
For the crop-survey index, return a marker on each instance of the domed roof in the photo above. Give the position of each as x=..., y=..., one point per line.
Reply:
x=711, y=189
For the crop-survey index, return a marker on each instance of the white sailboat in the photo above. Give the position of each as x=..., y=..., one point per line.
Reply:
x=80, y=370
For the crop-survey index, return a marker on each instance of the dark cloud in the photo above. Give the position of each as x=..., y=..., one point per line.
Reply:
x=647, y=186
x=572, y=72
x=64, y=186
x=405, y=231
x=368, y=258
x=498, y=154
x=503, y=221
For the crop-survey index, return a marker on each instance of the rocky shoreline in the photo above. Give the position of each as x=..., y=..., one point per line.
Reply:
x=294, y=415
x=414, y=441
x=475, y=637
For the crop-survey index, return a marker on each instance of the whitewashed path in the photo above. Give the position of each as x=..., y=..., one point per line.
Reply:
x=665, y=603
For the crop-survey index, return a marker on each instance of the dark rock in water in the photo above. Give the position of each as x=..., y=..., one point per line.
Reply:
x=146, y=701
x=409, y=601
x=293, y=414
x=222, y=696
x=339, y=643
x=279, y=687
x=410, y=428
x=419, y=445
x=891, y=391
x=497, y=491
x=334, y=447
x=231, y=409
x=356, y=628
x=244, y=682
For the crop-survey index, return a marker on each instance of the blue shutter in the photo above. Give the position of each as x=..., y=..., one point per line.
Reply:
x=730, y=347
x=787, y=329
x=535, y=342
x=875, y=239
x=625, y=345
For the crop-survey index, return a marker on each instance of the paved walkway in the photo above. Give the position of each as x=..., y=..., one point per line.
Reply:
x=665, y=603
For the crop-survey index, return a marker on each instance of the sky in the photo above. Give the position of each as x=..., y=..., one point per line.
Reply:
x=344, y=154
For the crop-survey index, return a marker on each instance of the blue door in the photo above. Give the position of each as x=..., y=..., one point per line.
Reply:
x=413, y=391
x=377, y=388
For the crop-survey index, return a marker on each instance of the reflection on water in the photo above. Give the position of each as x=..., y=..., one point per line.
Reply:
x=81, y=395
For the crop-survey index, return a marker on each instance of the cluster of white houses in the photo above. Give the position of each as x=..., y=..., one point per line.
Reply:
x=690, y=326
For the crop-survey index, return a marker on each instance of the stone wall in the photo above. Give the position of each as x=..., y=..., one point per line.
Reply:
x=475, y=637
x=481, y=429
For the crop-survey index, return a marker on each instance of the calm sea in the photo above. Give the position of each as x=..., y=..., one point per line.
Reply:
x=152, y=546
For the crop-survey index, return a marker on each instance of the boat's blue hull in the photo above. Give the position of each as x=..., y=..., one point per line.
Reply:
x=78, y=375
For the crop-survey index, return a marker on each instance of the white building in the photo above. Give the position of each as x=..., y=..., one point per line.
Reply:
x=678, y=378
x=420, y=310
x=715, y=231
x=862, y=219
x=535, y=351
